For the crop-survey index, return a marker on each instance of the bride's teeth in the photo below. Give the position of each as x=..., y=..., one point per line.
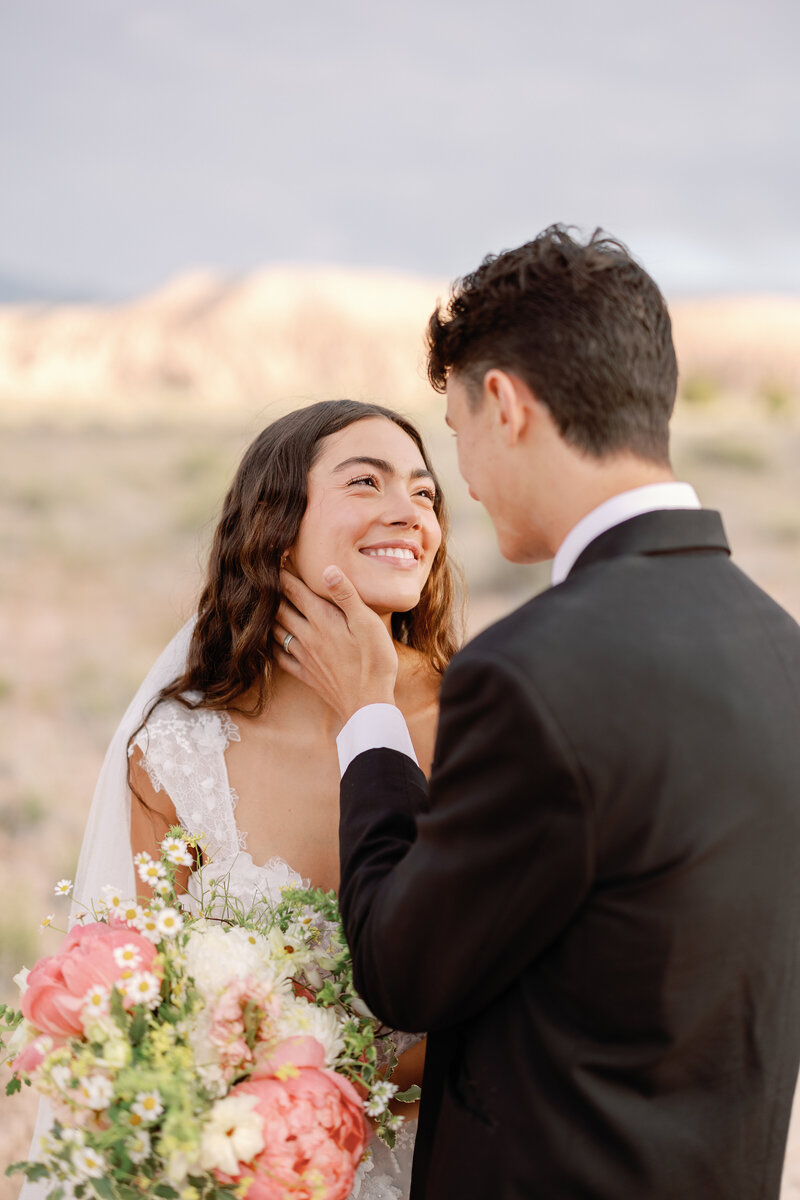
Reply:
x=391, y=552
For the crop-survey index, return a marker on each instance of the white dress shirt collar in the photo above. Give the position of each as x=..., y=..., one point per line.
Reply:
x=650, y=498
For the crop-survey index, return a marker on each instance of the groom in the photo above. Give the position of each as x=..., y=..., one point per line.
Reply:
x=594, y=905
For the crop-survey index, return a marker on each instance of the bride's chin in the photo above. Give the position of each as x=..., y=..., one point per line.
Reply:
x=387, y=606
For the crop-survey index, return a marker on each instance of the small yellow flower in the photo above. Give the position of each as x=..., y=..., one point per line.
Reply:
x=48, y=920
x=287, y=1071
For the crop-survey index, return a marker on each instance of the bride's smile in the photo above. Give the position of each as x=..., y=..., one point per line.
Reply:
x=371, y=511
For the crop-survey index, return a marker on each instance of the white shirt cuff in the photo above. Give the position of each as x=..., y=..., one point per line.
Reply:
x=372, y=727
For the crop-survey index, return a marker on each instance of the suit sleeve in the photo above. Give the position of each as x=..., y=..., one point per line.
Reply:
x=450, y=891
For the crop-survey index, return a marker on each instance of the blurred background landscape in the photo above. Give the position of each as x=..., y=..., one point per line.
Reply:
x=209, y=216
x=121, y=428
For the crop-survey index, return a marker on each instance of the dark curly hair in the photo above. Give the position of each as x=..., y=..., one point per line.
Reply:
x=231, y=650
x=582, y=324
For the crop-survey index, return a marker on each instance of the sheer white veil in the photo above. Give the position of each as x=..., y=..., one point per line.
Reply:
x=106, y=856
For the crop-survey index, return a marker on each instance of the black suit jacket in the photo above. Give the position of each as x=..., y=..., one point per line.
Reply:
x=594, y=908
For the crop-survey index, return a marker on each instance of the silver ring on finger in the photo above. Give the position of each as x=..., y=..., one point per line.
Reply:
x=286, y=642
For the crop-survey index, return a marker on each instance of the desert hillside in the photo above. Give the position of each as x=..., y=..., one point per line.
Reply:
x=209, y=346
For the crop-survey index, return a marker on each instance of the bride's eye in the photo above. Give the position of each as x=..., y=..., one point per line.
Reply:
x=368, y=480
x=428, y=493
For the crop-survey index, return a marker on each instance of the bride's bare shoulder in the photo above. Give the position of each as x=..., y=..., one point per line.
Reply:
x=417, y=697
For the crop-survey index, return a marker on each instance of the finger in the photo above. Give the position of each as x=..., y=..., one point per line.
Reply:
x=306, y=602
x=343, y=593
x=289, y=664
x=280, y=633
x=291, y=619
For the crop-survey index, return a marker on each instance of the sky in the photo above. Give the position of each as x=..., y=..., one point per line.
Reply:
x=144, y=138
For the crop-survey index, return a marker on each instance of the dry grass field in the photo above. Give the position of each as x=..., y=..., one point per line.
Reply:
x=103, y=528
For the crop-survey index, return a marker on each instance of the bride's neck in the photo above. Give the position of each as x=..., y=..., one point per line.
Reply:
x=294, y=705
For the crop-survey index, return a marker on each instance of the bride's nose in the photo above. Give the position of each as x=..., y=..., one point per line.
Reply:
x=401, y=510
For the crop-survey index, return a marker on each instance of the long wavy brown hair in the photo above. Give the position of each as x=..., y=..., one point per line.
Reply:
x=231, y=650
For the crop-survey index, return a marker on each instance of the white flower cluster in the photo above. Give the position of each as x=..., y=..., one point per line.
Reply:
x=303, y=1019
x=216, y=957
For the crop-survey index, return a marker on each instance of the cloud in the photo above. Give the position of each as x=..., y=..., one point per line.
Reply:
x=146, y=138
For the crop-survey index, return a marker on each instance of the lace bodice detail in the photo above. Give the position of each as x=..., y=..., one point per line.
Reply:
x=183, y=753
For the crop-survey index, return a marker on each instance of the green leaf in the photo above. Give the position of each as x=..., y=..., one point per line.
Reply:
x=14, y=1085
x=138, y=1027
x=410, y=1095
x=163, y=1189
x=388, y=1137
x=103, y=1188
x=32, y=1171
x=129, y=1193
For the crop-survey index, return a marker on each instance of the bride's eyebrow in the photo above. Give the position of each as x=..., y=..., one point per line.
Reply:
x=380, y=464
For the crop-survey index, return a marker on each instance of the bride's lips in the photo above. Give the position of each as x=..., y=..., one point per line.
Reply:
x=397, y=553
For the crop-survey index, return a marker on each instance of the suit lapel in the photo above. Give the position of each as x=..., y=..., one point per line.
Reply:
x=667, y=531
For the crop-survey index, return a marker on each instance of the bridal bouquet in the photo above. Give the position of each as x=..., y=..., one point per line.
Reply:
x=193, y=1057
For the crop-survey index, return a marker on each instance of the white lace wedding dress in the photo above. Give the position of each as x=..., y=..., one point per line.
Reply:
x=183, y=752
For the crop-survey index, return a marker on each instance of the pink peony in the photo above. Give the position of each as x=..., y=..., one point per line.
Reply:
x=57, y=986
x=313, y=1126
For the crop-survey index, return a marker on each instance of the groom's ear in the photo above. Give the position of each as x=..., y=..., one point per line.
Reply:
x=510, y=401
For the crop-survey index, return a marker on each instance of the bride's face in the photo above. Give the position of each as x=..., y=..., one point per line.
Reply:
x=370, y=512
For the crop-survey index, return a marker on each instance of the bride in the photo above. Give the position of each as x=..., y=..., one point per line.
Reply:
x=220, y=740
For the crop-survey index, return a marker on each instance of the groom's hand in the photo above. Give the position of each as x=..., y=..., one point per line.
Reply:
x=340, y=648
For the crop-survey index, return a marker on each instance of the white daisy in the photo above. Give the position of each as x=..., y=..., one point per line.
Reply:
x=88, y=1163
x=48, y=920
x=128, y=956
x=177, y=852
x=75, y=1137
x=63, y=887
x=130, y=911
x=143, y=987
x=94, y=1091
x=112, y=898
x=147, y=1106
x=169, y=922
x=96, y=1001
x=148, y=926
x=138, y=1146
x=151, y=872
x=141, y=857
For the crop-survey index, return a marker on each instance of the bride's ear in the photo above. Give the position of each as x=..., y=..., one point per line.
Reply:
x=286, y=562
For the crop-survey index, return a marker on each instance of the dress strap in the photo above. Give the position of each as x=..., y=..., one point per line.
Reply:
x=183, y=752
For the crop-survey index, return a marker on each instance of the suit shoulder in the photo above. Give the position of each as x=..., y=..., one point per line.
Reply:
x=532, y=622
